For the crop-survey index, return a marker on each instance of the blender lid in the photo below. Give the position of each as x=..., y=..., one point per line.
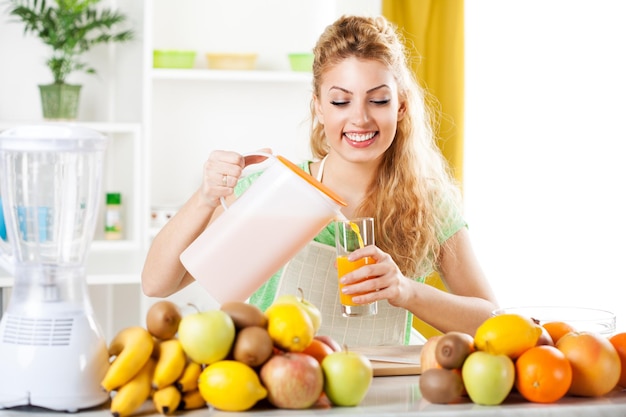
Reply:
x=51, y=137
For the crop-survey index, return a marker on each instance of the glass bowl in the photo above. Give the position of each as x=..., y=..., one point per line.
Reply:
x=580, y=318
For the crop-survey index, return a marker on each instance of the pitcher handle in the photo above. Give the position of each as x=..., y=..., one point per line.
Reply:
x=259, y=153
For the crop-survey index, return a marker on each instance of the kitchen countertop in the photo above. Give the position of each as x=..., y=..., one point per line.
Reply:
x=396, y=396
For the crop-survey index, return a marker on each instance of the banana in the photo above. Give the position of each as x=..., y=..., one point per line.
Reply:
x=132, y=348
x=188, y=381
x=192, y=400
x=130, y=396
x=170, y=364
x=166, y=400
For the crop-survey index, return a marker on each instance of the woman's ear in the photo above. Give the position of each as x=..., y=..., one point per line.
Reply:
x=402, y=110
x=318, y=110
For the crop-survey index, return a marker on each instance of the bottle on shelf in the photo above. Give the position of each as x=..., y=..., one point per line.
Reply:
x=113, y=229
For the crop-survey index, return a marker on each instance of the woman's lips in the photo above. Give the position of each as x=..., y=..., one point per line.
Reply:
x=360, y=139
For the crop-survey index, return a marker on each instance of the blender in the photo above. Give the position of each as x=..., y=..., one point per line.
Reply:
x=53, y=353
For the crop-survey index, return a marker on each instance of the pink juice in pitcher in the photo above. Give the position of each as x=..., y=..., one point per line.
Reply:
x=281, y=212
x=234, y=273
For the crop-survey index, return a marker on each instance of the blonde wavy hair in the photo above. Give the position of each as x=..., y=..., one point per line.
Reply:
x=413, y=192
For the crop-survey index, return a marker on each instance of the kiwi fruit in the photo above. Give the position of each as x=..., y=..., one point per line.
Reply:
x=453, y=348
x=441, y=386
x=162, y=319
x=253, y=346
x=244, y=314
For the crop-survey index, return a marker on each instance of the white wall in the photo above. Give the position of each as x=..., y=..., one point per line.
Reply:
x=546, y=149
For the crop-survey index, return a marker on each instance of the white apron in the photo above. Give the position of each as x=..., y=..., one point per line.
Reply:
x=313, y=269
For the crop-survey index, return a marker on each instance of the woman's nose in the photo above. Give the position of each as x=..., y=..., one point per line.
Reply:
x=359, y=115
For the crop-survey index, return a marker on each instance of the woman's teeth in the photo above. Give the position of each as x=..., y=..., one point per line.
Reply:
x=360, y=137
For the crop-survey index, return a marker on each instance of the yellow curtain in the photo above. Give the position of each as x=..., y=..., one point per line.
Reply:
x=434, y=33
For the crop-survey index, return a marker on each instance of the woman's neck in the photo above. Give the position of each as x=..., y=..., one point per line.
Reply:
x=350, y=180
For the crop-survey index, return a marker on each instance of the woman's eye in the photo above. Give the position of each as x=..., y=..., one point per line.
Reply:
x=339, y=103
x=381, y=102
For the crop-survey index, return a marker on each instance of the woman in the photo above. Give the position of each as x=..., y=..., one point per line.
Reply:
x=373, y=143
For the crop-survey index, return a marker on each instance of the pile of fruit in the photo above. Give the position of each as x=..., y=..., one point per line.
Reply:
x=542, y=362
x=232, y=358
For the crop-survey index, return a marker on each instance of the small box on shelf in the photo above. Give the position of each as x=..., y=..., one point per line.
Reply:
x=113, y=216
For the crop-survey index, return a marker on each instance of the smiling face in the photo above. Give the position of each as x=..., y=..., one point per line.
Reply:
x=359, y=107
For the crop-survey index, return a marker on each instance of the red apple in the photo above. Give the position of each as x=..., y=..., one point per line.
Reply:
x=428, y=360
x=334, y=345
x=545, y=338
x=293, y=380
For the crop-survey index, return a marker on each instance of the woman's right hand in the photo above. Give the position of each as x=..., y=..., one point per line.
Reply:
x=222, y=171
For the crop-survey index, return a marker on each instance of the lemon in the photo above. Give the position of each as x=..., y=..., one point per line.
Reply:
x=230, y=386
x=289, y=326
x=507, y=334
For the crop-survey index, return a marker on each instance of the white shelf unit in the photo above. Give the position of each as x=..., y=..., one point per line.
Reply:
x=187, y=113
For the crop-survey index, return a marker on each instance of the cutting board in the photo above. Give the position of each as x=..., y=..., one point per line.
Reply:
x=393, y=360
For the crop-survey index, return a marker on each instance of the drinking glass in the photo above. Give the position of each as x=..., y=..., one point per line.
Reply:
x=351, y=235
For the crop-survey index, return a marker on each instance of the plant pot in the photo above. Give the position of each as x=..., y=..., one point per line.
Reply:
x=59, y=101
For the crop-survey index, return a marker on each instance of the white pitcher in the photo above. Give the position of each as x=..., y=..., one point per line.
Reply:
x=282, y=211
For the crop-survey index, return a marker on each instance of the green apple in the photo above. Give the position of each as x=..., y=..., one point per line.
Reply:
x=347, y=377
x=206, y=336
x=311, y=310
x=488, y=378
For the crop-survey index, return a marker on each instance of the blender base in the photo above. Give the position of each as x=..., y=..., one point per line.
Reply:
x=56, y=363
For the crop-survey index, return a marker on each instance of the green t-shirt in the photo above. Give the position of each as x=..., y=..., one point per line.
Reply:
x=265, y=295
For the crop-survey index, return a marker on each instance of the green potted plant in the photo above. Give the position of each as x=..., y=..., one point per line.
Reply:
x=70, y=28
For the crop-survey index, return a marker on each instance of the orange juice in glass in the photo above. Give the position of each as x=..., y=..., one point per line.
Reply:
x=351, y=235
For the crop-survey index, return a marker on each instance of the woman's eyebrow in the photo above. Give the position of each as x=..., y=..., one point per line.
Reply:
x=334, y=87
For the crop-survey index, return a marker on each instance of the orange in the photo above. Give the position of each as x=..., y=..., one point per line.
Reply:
x=596, y=366
x=619, y=343
x=557, y=329
x=543, y=374
x=318, y=350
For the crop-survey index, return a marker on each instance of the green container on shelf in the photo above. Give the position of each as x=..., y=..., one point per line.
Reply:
x=173, y=59
x=302, y=62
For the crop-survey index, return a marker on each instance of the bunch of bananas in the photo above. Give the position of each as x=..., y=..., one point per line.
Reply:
x=145, y=367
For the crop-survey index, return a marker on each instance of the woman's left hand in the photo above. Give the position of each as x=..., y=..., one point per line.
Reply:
x=379, y=281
